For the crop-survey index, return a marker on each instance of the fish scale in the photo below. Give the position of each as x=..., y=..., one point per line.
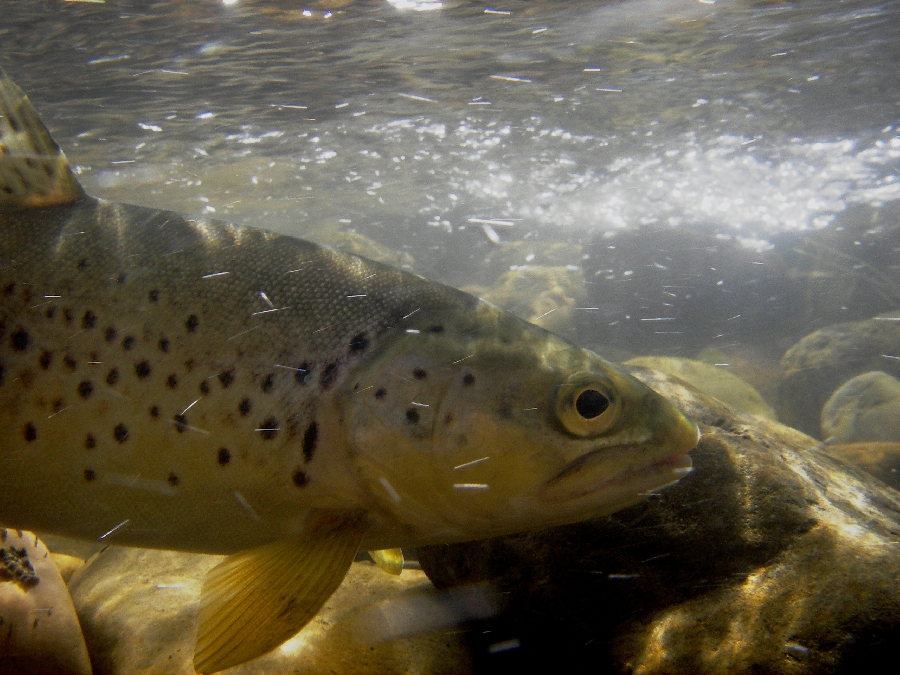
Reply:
x=189, y=384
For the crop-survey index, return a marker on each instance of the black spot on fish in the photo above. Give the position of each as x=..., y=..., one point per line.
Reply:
x=154, y=412
x=300, y=478
x=2, y=372
x=189, y=365
x=164, y=345
x=301, y=373
x=51, y=312
x=128, y=343
x=172, y=381
x=223, y=456
x=30, y=432
x=57, y=405
x=226, y=377
x=45, y=359
x=268, y=383
x=68, y=316
x=10, y=288
x=204, y=387
x=85, y=388
x=420, y=374
x=82, y=264
x=468, y=379
x=380, y=393
x=192, y=323
x=89, y=475
x=244, y=407
x=20, y=340
x=269, y=429
x=109, y=334
x=310, y=438
x=358, y=343
x=112, y=376
x=153, y=295
x=70, y=363
x=90, y=442
x=448, y=418
x=142, y=369
x=437, y=328
x=173, y=479
x=412, y=416
x=120, y=433
x=505, y=412
x=180, y=423
x=329, y=374
x=89, y=320
x=121, y=278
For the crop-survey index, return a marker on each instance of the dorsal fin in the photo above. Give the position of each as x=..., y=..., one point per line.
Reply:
x=33, y=170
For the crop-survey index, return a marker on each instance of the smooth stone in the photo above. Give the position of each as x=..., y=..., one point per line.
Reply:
x=713, y=380
x=39, y=631
x=824, y=360
x=138, y=609
x=865, y=408
x=882, y=460
x=66, y=565
x=771, y=557
x=543, y=295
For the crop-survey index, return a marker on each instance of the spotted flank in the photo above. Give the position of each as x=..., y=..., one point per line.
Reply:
x=189, y=384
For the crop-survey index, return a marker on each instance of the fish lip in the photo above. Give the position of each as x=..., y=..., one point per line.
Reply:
x=676, y=464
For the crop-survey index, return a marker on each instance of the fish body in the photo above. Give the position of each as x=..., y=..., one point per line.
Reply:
x=190, y=384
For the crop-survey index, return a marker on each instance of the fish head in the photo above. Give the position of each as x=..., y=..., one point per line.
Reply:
x=491, y=426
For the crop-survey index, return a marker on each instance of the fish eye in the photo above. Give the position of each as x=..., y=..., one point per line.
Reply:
x=591, y=403
x=587, y=405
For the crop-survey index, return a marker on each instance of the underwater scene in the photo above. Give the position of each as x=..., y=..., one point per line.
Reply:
x=442, y=336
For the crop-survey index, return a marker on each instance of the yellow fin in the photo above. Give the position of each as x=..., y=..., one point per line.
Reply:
x=253, y=601
x=389, y=560
x=33, y=170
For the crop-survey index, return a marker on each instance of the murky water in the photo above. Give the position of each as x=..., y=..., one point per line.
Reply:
x=718, y=175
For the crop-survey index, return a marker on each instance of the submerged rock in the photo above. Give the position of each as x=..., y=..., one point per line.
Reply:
x=882, y=460
x=138, y=609
x=713, y=380
x=865, y=408
x=546, y=296
x=39, y=632
x=772, y=556
x=824, y=360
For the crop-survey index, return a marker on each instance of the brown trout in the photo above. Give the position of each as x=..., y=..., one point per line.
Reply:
x=185, y=383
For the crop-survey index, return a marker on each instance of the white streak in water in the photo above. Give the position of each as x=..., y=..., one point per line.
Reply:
x=243, y=502
x=214, y=274
x=117, y=527
x=392, y=493
x=470, y=486
x=472, y=463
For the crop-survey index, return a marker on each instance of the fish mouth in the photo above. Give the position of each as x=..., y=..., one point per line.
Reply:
x=587, y=476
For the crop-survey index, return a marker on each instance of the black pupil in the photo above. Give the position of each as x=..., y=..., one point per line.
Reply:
x=591, y=403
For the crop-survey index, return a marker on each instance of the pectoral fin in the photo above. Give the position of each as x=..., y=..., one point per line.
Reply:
x=390, y=560
x=253, y=601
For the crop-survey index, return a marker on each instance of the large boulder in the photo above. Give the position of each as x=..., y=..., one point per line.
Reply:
x=772, y=556
x=138, y=609
x=824, y=360
x=39, y=632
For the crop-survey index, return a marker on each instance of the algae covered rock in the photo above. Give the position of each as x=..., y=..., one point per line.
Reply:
x=772, y=556
x=546, y=296
x=39, y=632
x=824, y=360
x=138, y=608
x=713, y=380
x=865, y=408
